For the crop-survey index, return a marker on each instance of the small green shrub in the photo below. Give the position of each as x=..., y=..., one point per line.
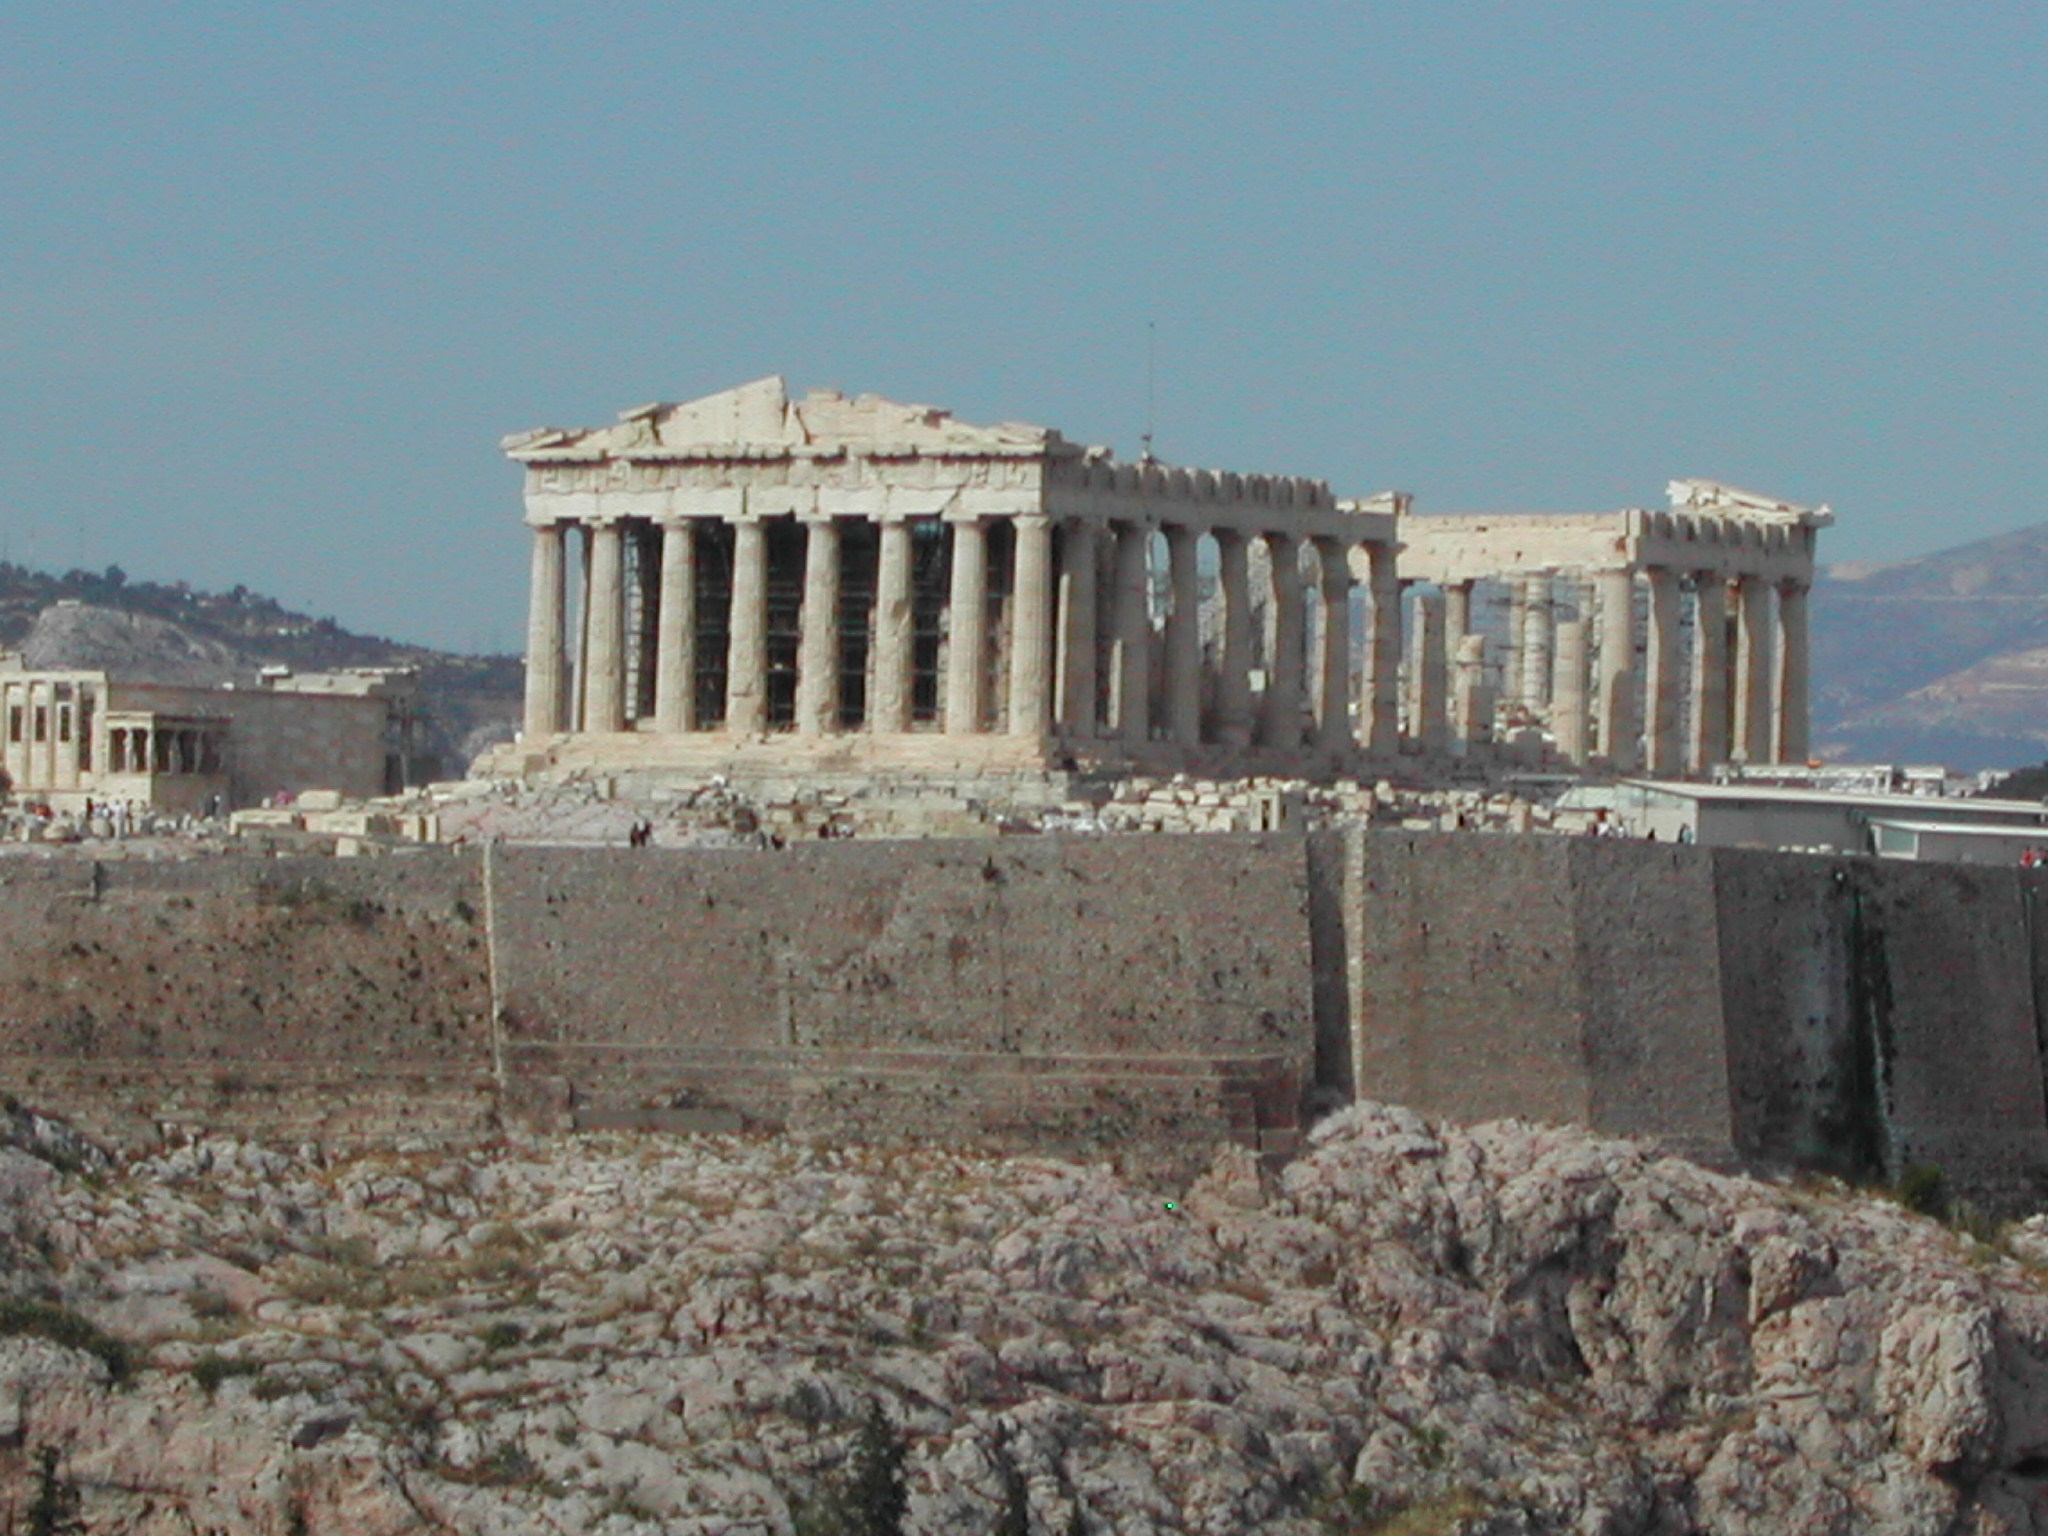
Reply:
x=55, y=1509
x=60, y=1325
x=211, y=1369
x=210, y=1305
x=1922, y=1188
x=273, y=1388
x=869, y=1498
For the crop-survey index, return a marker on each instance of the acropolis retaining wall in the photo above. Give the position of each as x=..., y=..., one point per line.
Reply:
x=1138, y=996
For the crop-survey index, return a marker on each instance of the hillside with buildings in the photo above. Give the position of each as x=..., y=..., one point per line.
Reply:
x=1943, y=658
x=176, y=634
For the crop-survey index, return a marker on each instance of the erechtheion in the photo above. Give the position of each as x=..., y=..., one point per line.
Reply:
x=68, y=736
x=850, y=583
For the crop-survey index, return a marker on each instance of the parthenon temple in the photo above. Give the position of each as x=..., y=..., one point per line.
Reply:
x=848, y=582
x=1668, y=642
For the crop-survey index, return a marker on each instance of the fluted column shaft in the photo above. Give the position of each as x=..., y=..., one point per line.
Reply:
x=1031, y=622
x=967, y=629
x=1383, y=671
x=546, y=613
x=746, y=670
x=1709, y=739
x=1280, y=721
x=579, y=654
x=1457, y=618
x=1791, y=704
x=817, y=657
x=889, y=703
x=1077, y=660
x=1661, y=728
x=1428, y=673
x=1234, y=680
x=675, y=643
x=1614, y=696
x=604, y=698
x=1333, y=711
x=1133, y=632
x=1752, y=720
x=1539, y=623
x=1183, y=639
x=1568, y=691
x=16, y=750
x=1512, y=654
x=1472, y=700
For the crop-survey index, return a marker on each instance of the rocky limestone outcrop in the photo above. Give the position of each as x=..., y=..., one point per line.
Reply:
x=1414, y=1329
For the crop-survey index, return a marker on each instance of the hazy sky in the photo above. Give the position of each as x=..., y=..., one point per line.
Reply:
x=276, y=279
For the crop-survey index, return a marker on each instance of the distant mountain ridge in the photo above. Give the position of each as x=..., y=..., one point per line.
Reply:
x=150, y=631
x=1943, y=658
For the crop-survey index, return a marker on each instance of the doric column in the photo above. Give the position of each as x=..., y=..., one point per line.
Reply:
x=967, y=629
x=16, y=697
x=1472, y=700
x=1031, y=619
x=1614, y=696
x=579, y=655
x=1381, y=706
x=546, y=610
x=1280, y=721
x=1427, y=673
x=604, y=700
x=1661, y=663
x=1568, y=692
x=1333, y=709
x=1183, y=639
x=746, y=668
x=1457, y=618
x=50, y=742
x=1708, y=744
x=1133, y=633
x=1234, y=665
x=32, y=776
x=1790, y=704
x=1753, y=742
x=889, y=705
x=1539, y=622
x=675, y=645
x=1511, y=662
x=817, y=654
x=1077, y=630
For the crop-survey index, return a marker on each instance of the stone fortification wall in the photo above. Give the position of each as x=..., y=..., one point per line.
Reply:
x=1547, y=978
x=1881, y=1014
x=1137, y=996
x=1851, y=1015
x=1097, y=990
x=282, y=998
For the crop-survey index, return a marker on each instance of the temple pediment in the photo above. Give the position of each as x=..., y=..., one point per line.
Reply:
x=759, y=420
x=1714, y=496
